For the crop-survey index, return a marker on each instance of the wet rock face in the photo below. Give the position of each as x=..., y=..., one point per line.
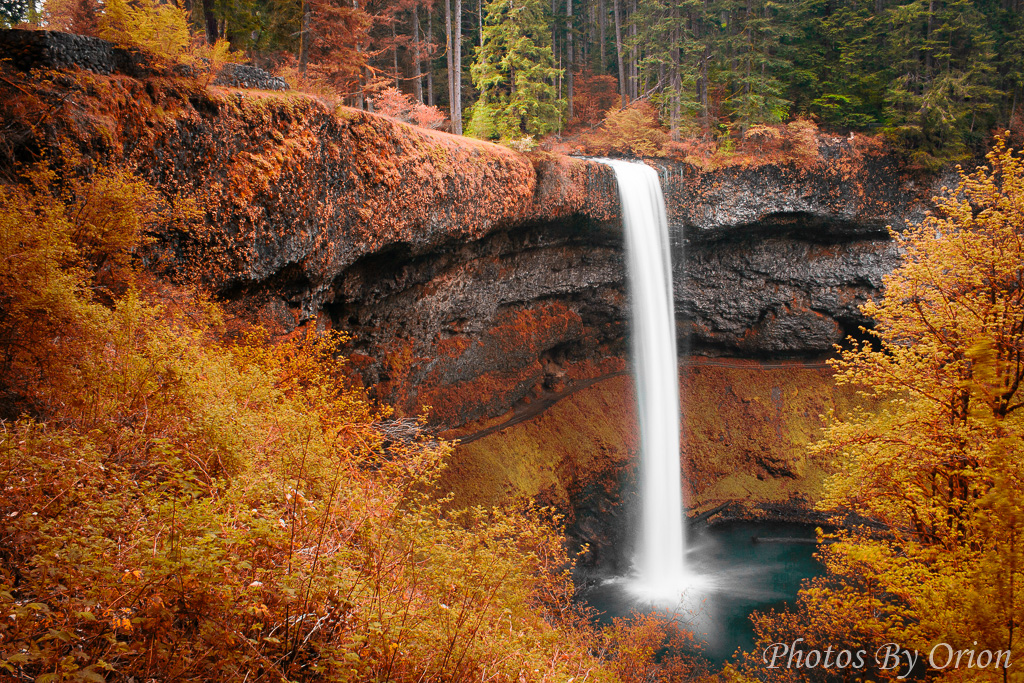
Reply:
x=776, y=296
x=772, y=261
x=852, y=190
x=776, y=260
x=475, y=327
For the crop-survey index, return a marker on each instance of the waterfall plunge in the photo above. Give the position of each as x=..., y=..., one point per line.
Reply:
x=660, y=565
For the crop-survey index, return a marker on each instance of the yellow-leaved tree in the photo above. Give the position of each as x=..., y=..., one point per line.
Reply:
x=158, y=28
x=939, y=467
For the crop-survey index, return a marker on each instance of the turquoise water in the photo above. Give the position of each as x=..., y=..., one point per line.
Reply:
x=734, y=575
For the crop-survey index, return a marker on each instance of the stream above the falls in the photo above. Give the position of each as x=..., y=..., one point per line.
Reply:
x=733, y=576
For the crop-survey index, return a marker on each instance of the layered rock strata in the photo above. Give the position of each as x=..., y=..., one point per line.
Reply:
x=472, y=279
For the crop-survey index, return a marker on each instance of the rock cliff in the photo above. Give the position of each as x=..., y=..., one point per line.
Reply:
x=473, y=279
x=489, y=285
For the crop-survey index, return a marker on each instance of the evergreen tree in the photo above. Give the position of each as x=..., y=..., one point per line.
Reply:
x=515, y=73
x=669, y=56
x=12, y=11
x=841, y=70
x=752, y=40
x=944, y=68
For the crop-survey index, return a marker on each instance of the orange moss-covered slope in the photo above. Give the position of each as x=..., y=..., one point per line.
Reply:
x=747, y=428
x=291, y=192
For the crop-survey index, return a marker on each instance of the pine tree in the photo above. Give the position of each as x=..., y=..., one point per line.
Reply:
x=754, y=30
x=672, y=39
x=515, y=73
x=841, y=70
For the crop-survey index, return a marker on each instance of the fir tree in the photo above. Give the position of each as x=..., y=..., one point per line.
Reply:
x=515, y=72
x=944, y=76
x=753, y=33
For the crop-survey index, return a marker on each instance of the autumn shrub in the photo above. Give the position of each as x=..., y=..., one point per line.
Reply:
x=653, y=646
x=158, y=28
x=396, y=104
x=524, y=144
x=176, y=505
x=633, y=131
x=696, y=150
x=796, y=141
x=74, y=16
x=314, y=81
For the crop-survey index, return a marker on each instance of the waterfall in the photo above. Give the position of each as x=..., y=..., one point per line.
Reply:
x=659, y=563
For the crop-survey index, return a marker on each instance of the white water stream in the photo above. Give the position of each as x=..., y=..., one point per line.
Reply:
x=660, y=567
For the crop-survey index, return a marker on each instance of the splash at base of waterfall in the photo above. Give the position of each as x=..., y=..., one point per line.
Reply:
x=731, y=575
x=683, y=592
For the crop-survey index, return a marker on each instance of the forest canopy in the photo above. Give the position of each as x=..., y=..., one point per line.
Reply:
x=934, y=76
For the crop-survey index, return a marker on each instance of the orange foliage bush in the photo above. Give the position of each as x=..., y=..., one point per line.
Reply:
x=692, y=150
x=593, y=96
x=74, y=16
x=649, y=647
x=396, y=104
x=795, y=141
x=633, y=131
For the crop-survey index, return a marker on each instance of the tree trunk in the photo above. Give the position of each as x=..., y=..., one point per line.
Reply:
x=702, y=66
x=634, y=69
x=417, y=74
x=394, y=49
x=603, y=30
x=570, y=62
x=677, y=80
x=623, y=86
x=457, y=116
x=1013, y=107
x=555, y=52
x=360, y=97
x=480, y=20
x=929, y=60
x=430, y=62
x=304, y=38
x=211, y=22
x=450, y=54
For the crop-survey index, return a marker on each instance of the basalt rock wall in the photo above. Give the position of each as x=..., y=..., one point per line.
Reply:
x=769, y=262
x=775, y=260
x=473, y=279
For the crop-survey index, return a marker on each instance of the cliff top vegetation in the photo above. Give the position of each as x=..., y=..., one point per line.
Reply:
x=933, y=79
